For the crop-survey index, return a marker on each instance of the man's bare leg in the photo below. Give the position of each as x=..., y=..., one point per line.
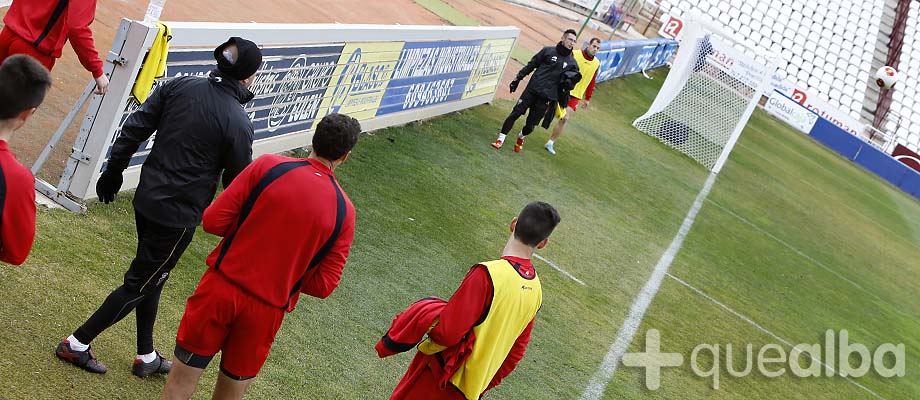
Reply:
x=228, y=388
x=182, y=381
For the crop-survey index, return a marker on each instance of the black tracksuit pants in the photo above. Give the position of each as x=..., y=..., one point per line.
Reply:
x=532, y=104
x=158, y=250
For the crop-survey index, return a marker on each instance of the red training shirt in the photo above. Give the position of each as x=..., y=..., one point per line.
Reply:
x=17, y=227
x=289, y=222
x=28, y=19
x=467, y=305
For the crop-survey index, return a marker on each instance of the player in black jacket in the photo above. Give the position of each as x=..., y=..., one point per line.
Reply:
x=202, y=132
x=542, y=90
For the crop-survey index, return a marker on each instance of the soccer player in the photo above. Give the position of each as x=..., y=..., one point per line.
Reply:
x=40, y=28
x=550, y=63
x=202, y=133
x=23, y=85
x=482, y=332
x=287, y=227
x=588, y=66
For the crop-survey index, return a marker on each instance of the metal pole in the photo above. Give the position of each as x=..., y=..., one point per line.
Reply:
x=587, y=19
x=63, y=128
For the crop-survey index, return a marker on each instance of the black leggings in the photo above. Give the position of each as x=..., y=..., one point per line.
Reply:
x=537, y=109
x=158, y=250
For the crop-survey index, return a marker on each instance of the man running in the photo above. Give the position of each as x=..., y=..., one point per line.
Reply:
x=588, y=66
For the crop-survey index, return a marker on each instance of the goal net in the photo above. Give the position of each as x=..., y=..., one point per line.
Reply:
x=713, y=86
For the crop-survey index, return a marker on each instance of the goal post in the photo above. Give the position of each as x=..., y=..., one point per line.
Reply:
x=710, y=93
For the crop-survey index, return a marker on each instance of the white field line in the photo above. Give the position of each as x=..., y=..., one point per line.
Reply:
x=773, y=335
x=811, y=259
x=556, y=267
x=643, y=300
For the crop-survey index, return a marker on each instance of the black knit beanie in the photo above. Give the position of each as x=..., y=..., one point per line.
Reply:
x=248, y=61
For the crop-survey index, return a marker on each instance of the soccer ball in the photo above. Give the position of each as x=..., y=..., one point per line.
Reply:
x=886, y=77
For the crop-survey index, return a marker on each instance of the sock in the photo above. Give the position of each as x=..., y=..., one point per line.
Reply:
x=501, y=137
x=147, y=358
x=549, y=142
x=521, y=135
x=76, y=345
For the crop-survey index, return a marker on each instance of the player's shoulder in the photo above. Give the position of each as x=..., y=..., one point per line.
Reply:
x=271, y=160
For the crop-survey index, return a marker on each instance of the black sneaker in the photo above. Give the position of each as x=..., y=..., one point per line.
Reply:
x=83, y=359
x=158, y=366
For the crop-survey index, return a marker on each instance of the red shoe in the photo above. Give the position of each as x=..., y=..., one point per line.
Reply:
x=519, y=145
x=497, y=144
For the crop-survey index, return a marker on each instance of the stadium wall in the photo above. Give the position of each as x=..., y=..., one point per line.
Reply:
x=867, y=156
x=382, y=75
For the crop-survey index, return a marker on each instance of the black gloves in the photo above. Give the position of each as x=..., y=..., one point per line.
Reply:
x=108, y=184
x=514, y=84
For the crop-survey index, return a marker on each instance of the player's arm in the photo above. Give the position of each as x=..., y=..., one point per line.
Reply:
x=465, y=308
x=237, y=154
x=222, y=215
x=514, y=357
x=534, y=63
x=139, y=127
x=590, y=90
x=79, y=15
x=18, y=228
x=325, y=277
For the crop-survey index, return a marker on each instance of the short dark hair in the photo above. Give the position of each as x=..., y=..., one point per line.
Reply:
x=23, y=85
x=594, y=39
x=568, y=31
x=336, y=134
x=535, y=223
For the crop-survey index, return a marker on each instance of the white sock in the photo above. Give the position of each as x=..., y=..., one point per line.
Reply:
x=147, y=358
x=549, y=142
x=76, y=345
x=501, y=137
x=521, y=135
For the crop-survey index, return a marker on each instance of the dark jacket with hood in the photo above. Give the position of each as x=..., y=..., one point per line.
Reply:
x=201, y=132
x=550, y=63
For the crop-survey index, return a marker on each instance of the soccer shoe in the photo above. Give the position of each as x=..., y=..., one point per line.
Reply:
x=83, y=359
x=519, y=145
x=159, y=365
x=549, y=148
x=497, y=144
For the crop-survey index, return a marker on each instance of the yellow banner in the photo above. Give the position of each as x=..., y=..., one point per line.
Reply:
x=360, y=79
x=489, y=65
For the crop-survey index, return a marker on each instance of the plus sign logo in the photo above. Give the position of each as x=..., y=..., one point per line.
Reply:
x=652, y=359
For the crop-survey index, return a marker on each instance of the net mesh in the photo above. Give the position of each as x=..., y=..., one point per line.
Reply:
x=698, y=114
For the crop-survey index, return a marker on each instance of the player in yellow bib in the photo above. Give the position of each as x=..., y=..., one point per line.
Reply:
x=481, y=333
x=588, y=65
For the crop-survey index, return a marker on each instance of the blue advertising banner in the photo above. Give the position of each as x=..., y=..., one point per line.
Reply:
x=288, y=89
x=429, y=73
x=623, y=57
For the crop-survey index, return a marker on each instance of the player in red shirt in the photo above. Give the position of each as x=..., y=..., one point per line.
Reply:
x=23, y=84
x=483, y=331
x=287, y=227
x=40, y=28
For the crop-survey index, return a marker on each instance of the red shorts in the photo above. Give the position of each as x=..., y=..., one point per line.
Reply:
x=222, y=317
x=573, y=102
x=11, y=44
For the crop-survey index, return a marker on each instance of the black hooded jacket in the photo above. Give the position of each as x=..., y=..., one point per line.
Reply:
x=202, y=131
x=550, y=63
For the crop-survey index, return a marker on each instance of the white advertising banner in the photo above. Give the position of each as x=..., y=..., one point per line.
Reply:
x=790, y=112
x=823, y=108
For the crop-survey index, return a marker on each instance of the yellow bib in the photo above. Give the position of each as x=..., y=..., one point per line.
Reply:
x=515, y=301
x=587, y=69
x=154, y=66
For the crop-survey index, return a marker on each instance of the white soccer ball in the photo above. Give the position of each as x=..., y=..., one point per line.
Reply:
x=886, y=77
